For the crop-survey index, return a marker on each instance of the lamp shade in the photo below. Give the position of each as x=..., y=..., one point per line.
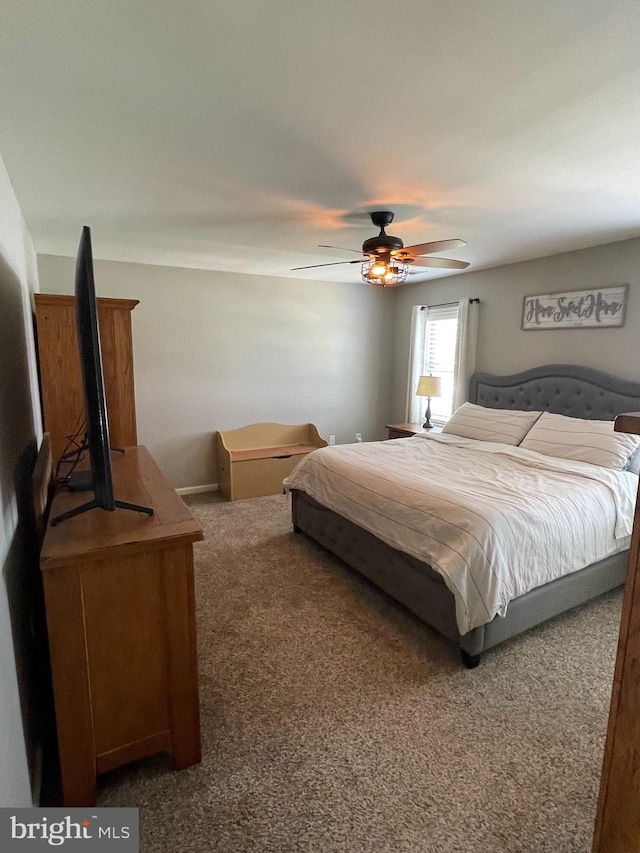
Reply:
x=429, y=386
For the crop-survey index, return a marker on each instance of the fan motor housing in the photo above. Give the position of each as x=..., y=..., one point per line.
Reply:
x=382, y=243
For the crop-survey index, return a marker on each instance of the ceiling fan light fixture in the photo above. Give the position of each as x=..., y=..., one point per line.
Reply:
x=383, y=273
x=386, y=259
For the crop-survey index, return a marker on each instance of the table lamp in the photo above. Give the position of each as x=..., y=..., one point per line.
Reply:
x=428, y=386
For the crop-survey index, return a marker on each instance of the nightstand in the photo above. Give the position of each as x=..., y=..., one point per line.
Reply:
x=407, y=430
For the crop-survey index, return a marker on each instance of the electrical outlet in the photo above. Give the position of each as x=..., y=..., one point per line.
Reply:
x=332, y=439
x=358, y=436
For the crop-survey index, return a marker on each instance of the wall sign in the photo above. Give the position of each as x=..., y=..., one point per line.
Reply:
x=599, y=308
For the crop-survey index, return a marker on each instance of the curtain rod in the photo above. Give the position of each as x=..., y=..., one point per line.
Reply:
x=446, y=304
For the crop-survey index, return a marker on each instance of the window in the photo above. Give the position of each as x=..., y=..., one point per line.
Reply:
x=443, y=343
x=440, y=356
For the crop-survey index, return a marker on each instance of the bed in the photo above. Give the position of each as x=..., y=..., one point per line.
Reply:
x=570, y=390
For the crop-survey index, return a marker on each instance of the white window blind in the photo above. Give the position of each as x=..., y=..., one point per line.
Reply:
x=440, y=356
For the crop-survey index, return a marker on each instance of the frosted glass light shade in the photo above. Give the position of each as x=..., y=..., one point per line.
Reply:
x=429, y=386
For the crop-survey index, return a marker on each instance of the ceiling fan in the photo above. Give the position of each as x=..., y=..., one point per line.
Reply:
x=385, y=259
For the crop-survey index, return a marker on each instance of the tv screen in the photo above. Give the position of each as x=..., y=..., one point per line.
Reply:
x=92, y=377
x=96, y=439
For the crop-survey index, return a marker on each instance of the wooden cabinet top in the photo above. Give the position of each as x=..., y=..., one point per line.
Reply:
x=60, y=300
x=136, y=479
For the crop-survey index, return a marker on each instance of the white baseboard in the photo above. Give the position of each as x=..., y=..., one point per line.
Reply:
x=196, y=490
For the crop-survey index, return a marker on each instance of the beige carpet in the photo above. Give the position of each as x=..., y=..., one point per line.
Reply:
x=333, y=720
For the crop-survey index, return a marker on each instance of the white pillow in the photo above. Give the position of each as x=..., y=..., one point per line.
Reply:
x=581, y=440
x=507, y=426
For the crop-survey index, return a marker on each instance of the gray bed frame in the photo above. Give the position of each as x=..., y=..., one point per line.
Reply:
x=565, y=389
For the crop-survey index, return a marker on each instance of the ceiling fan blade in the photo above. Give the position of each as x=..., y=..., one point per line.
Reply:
x=342, y=248
x=334, y=264
x=429, y=248
x=442, y=263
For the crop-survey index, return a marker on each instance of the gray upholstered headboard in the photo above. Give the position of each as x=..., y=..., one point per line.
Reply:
x=565, y=389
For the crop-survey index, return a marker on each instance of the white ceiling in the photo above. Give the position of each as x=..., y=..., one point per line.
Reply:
x=239, y=134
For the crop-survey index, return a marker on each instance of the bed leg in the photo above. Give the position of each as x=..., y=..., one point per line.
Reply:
x=296, y=529
x=470, y=661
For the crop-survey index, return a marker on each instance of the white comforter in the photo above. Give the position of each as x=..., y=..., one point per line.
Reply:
x=495, y=521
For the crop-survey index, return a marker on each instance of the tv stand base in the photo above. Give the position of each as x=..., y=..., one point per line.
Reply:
x=94, y=505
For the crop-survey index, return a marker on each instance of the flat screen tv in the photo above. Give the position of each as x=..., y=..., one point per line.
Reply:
x=96, y=439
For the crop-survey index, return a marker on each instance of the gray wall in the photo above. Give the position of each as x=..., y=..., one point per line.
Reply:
x=19, y=435
x=216, y=351
x=502, y=346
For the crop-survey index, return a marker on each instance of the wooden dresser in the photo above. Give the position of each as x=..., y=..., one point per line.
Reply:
x=121, y=620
